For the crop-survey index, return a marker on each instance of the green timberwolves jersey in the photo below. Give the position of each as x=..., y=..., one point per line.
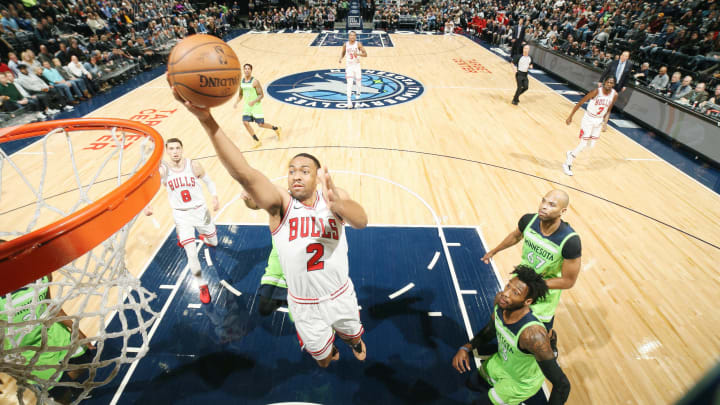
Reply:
x=545, y=255
x=248, y=89
x=512, y=363
x=31, y=335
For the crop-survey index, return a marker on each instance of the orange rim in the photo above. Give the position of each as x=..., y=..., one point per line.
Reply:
x=31, y=256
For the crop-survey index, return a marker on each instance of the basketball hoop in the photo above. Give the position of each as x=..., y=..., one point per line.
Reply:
x=83, y=246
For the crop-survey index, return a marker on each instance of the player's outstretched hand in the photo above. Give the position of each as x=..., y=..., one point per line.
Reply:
x=461, y=361
x=329, y=191
x=568, y=121
x=487, y=257
x=200, y=113
x=147, y=211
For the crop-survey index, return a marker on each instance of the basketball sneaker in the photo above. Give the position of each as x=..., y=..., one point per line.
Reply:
x=359, y=350
x=277, y=131
x=568, y=162
x=204, y=294
x=257, y=144
x=567, y=169
x=349, y=105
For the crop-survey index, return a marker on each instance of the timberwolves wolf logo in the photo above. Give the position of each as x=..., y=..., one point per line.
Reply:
x=327, y=88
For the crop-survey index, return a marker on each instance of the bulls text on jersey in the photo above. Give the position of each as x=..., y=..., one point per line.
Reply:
x=178, y=182
x=303, y=227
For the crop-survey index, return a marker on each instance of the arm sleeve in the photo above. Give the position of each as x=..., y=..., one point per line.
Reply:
x=484, y=336
x=572, y=248
x=524, y=221
x=210, y=184
x=560, y=382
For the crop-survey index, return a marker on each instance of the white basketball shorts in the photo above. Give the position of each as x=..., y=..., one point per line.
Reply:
x=590, y=127
x=353, y=72
x=316, y=322
x=187, y=221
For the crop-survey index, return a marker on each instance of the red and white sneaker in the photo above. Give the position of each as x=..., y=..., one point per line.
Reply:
x=204, y=294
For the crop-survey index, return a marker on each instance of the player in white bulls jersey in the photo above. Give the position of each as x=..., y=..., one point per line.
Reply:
x=182, y=178
x=352, y=50
x=595, y=119
x=308, y=231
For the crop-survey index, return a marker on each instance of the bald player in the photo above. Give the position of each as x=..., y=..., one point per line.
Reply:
x=551, y=247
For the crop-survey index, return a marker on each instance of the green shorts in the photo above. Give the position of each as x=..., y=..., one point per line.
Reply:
x=254, y=113
x=273, y=272
x=505, y=390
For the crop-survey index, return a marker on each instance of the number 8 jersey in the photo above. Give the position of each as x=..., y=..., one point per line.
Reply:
x=313, y=250
x=183, y=187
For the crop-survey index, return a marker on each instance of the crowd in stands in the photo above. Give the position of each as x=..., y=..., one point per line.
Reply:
x=314, y=18
x=55, y=54
x=678, y=36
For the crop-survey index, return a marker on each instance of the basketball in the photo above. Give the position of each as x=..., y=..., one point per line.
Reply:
x=204, y=70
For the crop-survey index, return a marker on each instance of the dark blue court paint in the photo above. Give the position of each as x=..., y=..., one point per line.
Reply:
x=226, y=353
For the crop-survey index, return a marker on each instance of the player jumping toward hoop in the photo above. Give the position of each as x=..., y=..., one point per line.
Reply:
x=251, y=91
x=352, y=50
x=181, y=177
x=596, y=117
x=308, y=228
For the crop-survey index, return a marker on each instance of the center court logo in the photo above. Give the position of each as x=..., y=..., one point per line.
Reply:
x=326, y=89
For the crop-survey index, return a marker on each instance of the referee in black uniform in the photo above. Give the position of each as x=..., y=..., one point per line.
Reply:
x=521, y=64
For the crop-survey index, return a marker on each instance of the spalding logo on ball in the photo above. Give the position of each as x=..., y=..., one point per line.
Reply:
x=204, y=70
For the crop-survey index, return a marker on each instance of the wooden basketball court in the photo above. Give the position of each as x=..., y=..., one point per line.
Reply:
x=638, y=327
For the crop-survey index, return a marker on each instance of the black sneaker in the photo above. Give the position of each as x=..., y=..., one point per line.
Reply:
x=515, y=102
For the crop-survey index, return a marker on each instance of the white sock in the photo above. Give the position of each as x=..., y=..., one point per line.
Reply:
x=583, y=143
x=349, y=89
x=194, y=263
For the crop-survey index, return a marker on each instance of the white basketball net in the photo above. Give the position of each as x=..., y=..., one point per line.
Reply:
x=95, y=288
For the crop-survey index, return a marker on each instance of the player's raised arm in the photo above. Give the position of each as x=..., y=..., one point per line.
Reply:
x=340, y=203
x=579, y=104
x=535, y=340
x=263, y=192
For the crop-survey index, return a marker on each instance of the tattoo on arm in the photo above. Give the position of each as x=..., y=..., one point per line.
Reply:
x=535, y=340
